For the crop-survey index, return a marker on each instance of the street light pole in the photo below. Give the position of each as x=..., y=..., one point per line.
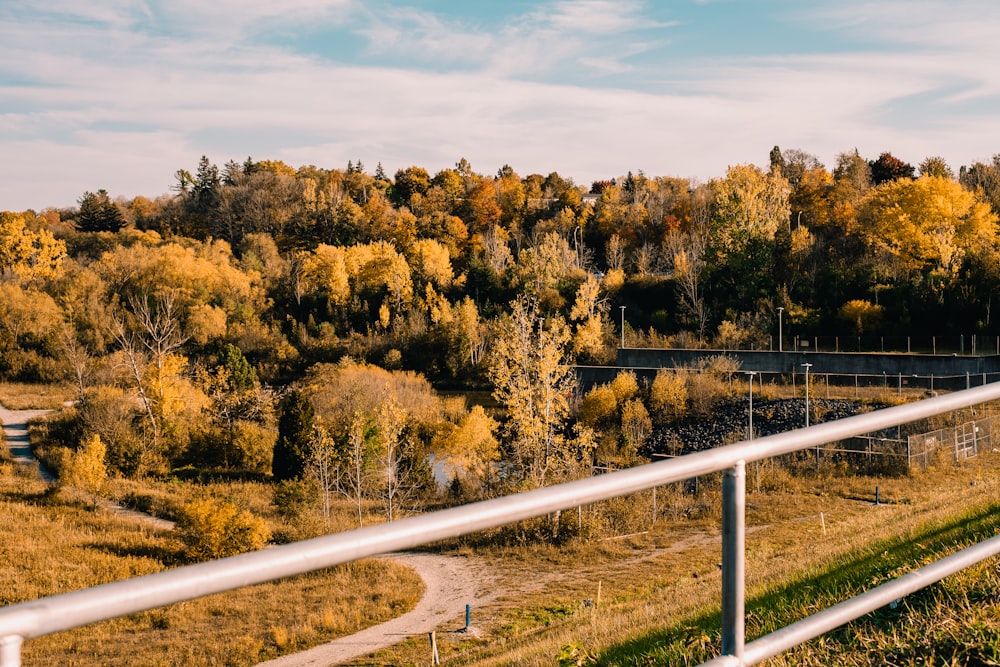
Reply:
x=780, y=309
x=750, y=412
x=623, y=326
x=807, y=367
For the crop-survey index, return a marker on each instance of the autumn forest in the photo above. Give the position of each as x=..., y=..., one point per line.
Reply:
x=277, y=321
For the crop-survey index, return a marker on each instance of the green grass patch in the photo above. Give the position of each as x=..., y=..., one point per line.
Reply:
x=901, y=631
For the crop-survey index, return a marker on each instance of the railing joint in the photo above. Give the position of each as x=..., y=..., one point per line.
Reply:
x=10, y=650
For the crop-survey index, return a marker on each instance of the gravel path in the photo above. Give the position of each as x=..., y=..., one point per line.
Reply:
x=452, y=582
x=15, y=428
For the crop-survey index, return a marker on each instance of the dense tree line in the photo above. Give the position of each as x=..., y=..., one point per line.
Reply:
x=196, y=327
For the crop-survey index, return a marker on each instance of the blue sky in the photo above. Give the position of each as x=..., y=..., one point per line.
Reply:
x=120, y=94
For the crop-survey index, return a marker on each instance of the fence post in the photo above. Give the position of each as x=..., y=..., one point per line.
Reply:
x=435, y=658
x=733, y=564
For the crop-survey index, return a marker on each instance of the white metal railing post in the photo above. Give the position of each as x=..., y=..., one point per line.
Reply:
x=733, y=563
x=10, y=651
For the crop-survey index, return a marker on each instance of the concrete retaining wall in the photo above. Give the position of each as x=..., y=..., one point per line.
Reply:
x=948, y=371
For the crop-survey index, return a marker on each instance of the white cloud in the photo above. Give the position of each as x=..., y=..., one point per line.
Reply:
x=107, y=106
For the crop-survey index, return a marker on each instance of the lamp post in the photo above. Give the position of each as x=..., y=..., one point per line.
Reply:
x=780, y=309
x=750, y=411
x=623, y=326
x=807, y=367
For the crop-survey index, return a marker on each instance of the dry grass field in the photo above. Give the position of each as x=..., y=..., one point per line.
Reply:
x=50, y=544
x=21, y=396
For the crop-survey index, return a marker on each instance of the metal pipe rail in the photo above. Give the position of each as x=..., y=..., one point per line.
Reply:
x=69, y=610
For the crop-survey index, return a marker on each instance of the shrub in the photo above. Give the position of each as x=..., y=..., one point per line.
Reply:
x=668, y=395
x=625, y=386
x=710, y=382
x=598, y=404
x=110, y=413
x=85, y=468
x=636, y=427
x=211, y=529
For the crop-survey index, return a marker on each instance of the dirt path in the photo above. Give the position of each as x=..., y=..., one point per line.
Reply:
x=452, y=582
x=15, y=428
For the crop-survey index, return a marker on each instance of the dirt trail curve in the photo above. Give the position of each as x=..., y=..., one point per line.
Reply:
x=452, y=582
x=15, y=427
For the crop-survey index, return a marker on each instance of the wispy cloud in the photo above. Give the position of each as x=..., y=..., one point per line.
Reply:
x=120, y=93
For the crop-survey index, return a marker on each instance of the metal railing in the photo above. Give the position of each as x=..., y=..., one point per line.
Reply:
x=68, y=610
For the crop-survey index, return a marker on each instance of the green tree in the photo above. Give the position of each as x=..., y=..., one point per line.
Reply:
x=983, y=178
x=936, y=166
x=409, y=182
x=98, y=213
x=750, y=207
x=236, y=401
x=296, y=418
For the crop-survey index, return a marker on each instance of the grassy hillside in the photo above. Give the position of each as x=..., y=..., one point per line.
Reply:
x=814, y=538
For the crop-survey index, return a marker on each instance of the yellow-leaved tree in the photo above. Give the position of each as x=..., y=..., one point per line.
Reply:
x=213, y=529
x=28, y=250
x=532, y=377
x=592, y=338
x=861, y=314
x=925, y=227
x=470, y=449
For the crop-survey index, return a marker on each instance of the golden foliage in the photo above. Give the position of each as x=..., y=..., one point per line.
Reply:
x=613, y=280
x=599, y=403
x=212, y=529
x=625, y=386
x=532, y=378
x=28, y=250
x=206, y=323
x=339, y=391
x=636, y=426
x=861, y=314
x=668, y=394
x=472, y=448
x=85, y=468
x=923, y=225
x=749, y=204
x=431, y=262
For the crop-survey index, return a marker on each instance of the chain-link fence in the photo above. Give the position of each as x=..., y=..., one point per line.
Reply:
x=889, y=455
x=957, y=443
